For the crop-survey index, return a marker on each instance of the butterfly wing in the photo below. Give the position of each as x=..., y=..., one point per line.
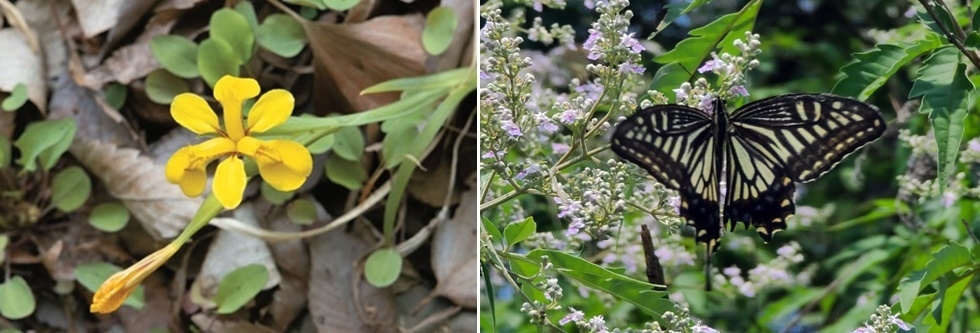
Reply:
x=677, y=145
x=784, y=139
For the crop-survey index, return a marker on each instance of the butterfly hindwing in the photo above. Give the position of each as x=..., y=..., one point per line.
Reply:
x=759, y=192
x=677, y=145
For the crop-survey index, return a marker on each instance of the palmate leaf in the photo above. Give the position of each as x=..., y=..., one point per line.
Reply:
x=945, y=92
x=870, y=70
x=691, y=52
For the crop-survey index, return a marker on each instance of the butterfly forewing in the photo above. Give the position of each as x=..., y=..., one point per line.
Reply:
x=776, y=141
x=677, y=145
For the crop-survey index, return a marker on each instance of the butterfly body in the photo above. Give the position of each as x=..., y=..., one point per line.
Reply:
x=760, y=150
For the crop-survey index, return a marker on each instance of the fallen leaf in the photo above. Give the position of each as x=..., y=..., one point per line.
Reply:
x=158, y=305
x=334, y=303
x=289, y=301
x=454, y=259
x=19, y=64
x=131, y=62
x=44, y=16
x=97, y=16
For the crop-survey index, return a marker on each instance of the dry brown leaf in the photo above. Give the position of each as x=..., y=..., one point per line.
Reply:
x=128, y=63
x=157, y=306
x=293, y=261
x=19, y=64
x=429, y=184
x=44, y=17
x=334, y=305
x=213, y=323
x=97, y=16
x=130, y=14
x=351, y=57
x=454, y=259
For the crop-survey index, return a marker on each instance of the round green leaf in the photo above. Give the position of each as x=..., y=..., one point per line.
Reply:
x=91, y=276
x=109, y=217
x=271, y=194
x=340, y=5
x=16, y=299
x=440, y=26
x=70, y=188
x=282, y=35
x=215, y=58
x=115, y=94
x=17, y=98
x=321, y=145
x=162, y=87
x=248, y=12
x=349, y=143
x=301, y=211
x=349, y=174
x=232, y=27
x=177, y=54
x=239, y=286
x=383, y=267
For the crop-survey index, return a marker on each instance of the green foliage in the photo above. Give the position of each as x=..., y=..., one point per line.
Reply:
x=70, y=189
x=347, y=173
x=440, y=25
x=91, y=275
x=16, y=299
x=282, y=35
x=109, y=217
x=870, y=70
x=301, y=211
x=382, y=267
x=339, y=5
x=44, y=141
x=176, y=54
x=232, y=27
x=17, y=98
x=349, y=143
x=273, y=195
x=115, y=95
x=214, y=59
x=162, y=86
x=239, y=286
x=516, y=232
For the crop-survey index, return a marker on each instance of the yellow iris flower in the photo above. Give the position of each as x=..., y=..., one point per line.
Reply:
x=117, y=288
x=284, y=164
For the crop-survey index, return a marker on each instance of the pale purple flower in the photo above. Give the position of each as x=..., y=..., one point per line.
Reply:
x=590, y=90
x=559, y=148
x=568, y=117
x=483, y=75
x=590, y=4
x=675, y=201
x=910, y=12
x=739, y=90
x=707, y=104
x=899, y=322
x=681, y=94
x=532, y=169
x=732, y=271
x=575, y=226
x=699, y=328
x=627, y=67
x=864, y=329
x=598, y=324
x=511, y=128
x=710, y=65
x=545, y=125
x=485, y=32
x=573, y=316
x=566, y=209
x=634, y=45
x=949, y=198
x=974, y=145
x=538, y=6
x=490, y=154
x=589, y=44
x=786, y=251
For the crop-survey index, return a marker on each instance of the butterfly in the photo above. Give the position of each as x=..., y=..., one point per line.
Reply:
x=761, y=150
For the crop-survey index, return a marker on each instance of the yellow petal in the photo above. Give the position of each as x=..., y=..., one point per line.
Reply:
x=229, y=182
x=272, y=109
x=192, y=112
x=230, y=91
x=117, y=288
x=284, y=164
x=186, y=166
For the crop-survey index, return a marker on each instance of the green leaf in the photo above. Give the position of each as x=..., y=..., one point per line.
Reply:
x=495, y=235
x=321, y=145
x=91, y=276
x=516, y=232
x=301, y=211
x=870, y=70
x=16, y=299
x=70, y=189
x=162, y=87
x=318, y=4
x=944, y=18
x=340, y=5
x=383, y=267
x=785, y=306
x=944, y=260
x=109, y=217
x=45, y=141
x=115, y=95
x=347, y=173
x=636, y=292
x=248, y=12
x=232, y=27
x=273, y=195
x=949, y=297
x=678, y=9
x=239, y=286
x=282, y=35
x=445, y=79
x=349, y=143
x=177, y=54
x=945, y=92
x=6, y=152
x=17, y=98
x=215, y=58
x=440, y=26
x=692, y=51
x=668, y=78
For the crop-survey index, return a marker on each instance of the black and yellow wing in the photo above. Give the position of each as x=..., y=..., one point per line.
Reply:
x=777, y=141
x=679, y=146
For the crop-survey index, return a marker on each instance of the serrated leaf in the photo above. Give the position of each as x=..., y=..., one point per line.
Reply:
x=239, y=286
x=382, y=267
x=162, y=86
x=870, y=70
x=692, y=51
x=349, y=143
x=215, y=59
x=109, y=217
x=516, y=232
x=17, y=98
x=44, y=141
x=16, y=299
x=282, y=35
x=347, y=173
x=91, y=275
x=70, y=189
x=176, y=54
x=944, y=260
x=232, y=27
x=440, y=26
